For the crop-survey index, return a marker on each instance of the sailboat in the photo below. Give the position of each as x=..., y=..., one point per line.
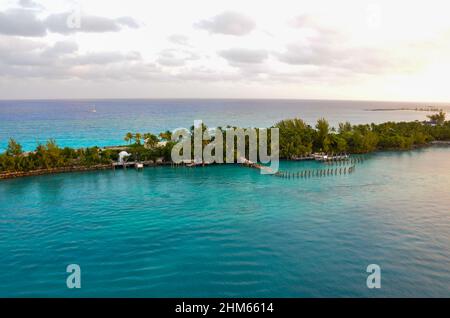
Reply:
x=93, y=110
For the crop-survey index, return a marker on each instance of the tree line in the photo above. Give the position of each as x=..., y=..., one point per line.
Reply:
x=297, y=139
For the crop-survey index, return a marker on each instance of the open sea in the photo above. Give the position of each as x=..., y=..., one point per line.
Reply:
x=73, y=123
x=221, y=230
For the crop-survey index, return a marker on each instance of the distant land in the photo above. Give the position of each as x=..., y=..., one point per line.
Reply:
x=417, y=109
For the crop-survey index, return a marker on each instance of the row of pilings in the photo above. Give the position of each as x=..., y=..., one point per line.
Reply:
x=304, y=174
x=343, y=162
x=333, y=168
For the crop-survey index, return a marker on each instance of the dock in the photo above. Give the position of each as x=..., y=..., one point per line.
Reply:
x=322, y=157
x=325, y=157
x=138, y=164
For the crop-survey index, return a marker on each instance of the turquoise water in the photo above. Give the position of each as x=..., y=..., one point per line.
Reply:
x=72, y=122
x=229, y=231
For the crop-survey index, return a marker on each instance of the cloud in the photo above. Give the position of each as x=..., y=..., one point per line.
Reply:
x=21, y=22
x=57, y=23
x=127, y=21
x=174, y=58
x=229, y=22
x=355, y=59
x=24, y=22
x=179, y=39
x=60, y=48
x=19, y=52
x=63, y=60
x=26, y=59
x=125, y=71
x=328, y=48
x=310, y=54
x=244, y=56
x=103, y=58
x=206, y=75
x=30, y=4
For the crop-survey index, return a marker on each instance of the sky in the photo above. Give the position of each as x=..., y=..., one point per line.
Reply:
x=349, y=49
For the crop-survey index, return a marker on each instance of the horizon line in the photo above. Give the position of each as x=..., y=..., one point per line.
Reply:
x=220, y=98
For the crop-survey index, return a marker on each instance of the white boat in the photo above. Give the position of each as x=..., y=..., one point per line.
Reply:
x=93, y=110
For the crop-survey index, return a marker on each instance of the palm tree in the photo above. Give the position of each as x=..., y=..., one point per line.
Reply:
x=150, y=140
x=128, y=137
x=166, y=136
x=137, y=138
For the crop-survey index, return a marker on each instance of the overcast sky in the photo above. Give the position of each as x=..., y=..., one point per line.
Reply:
x=371, y=50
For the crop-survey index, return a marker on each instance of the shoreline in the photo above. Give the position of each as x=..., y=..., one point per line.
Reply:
x=112, y=166
x=296, y=140
x=51, y=171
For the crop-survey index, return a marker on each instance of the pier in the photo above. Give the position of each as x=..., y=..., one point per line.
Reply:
x=322, y=157
x=327, y=158
x=139, y=164
x=336, y=165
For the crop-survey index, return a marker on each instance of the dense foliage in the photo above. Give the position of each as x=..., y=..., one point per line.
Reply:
x=50, y=156
x=296, y=139
x=299, y=139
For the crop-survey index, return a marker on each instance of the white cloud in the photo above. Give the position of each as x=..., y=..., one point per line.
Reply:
x=172, y=57
x=229, y=22
x=63, y=60
x=30, y=4
x=25, y=22
x=279, y=48
x=22, y=22
x=57, y=23
x=244, y=56
x=179, y=39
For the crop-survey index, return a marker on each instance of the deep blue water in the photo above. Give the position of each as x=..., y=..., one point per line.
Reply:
x=220, y=231
x=72, y=123
x=230, y=231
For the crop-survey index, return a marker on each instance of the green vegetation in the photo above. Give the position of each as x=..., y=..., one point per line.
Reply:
x=438, y=118
x=50, y=156
x=296, y=139
x=299, y=139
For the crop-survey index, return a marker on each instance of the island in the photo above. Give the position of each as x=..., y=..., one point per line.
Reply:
x=297, y=140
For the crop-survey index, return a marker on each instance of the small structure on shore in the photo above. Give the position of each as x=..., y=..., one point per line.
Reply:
x=122, y=156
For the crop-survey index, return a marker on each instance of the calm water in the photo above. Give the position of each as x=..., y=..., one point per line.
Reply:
x=72, y=122
x=229, y=231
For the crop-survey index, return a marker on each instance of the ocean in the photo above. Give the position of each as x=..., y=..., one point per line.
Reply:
x=73, y=123
x=221, y=231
